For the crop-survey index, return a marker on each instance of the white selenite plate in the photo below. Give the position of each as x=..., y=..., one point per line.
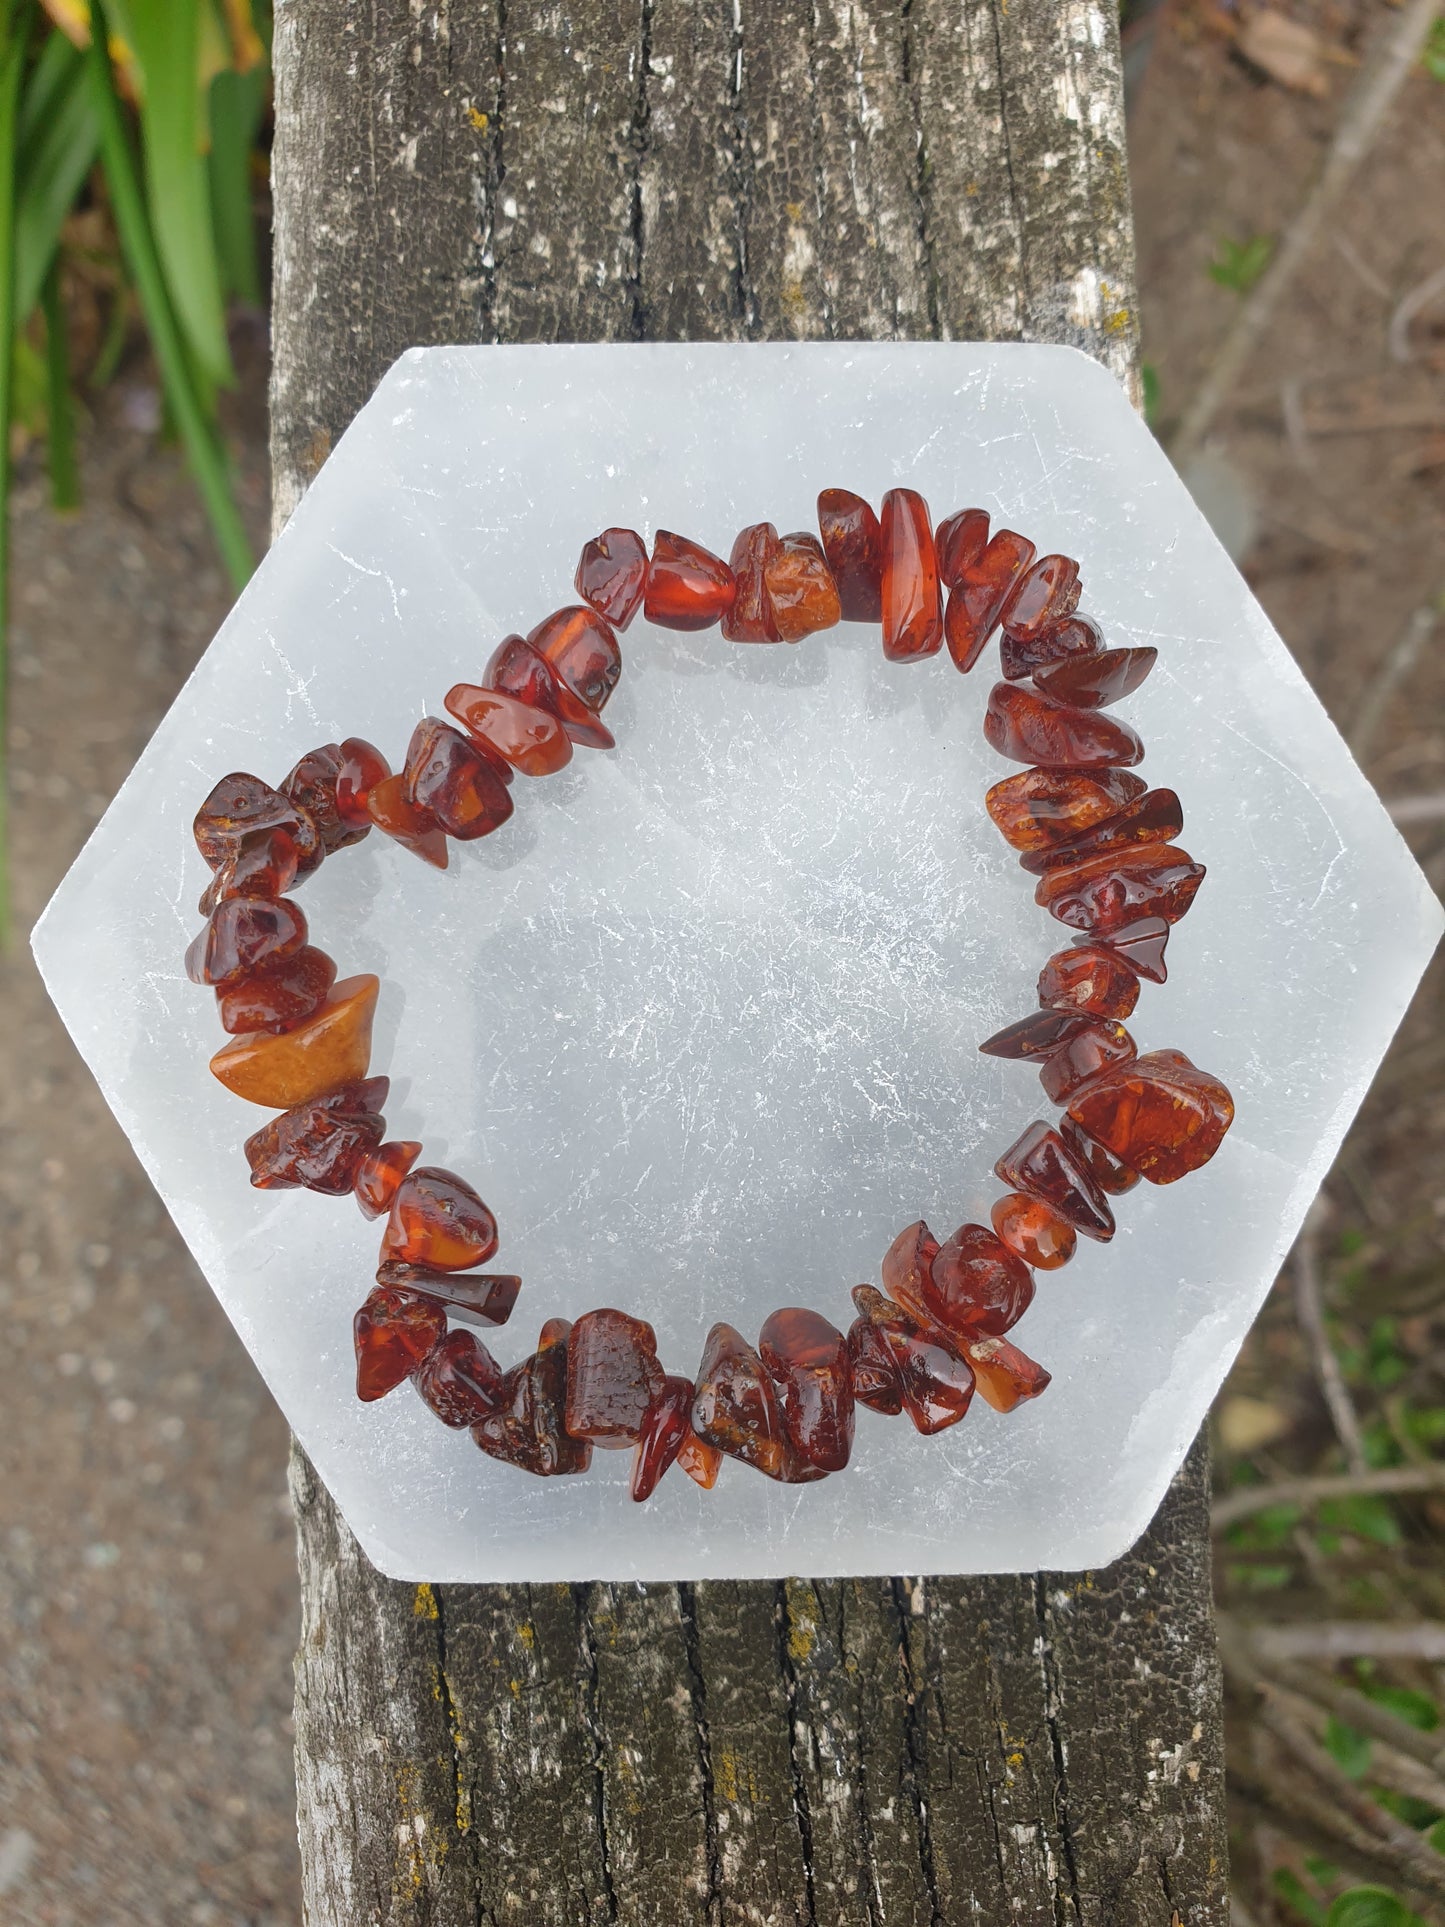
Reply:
x=701, y=1021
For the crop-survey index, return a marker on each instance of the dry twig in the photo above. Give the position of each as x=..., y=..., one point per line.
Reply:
x=1332, y=1639
x=1309, y=1310
x=1392, y=672
x=1233, y=1506
x=1416, y=809
x=1415, y=302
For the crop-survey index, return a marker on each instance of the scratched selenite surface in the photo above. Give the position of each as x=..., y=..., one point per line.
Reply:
x=701, y=1020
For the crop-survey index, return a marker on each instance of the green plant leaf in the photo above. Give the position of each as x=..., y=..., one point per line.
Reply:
x=1349, y=1748
x=1368, y=1515
x=237, y=104
x=1239, y=264
x=1418, y=1708
x=52, y=163
x=15, y=24
x=1297, y=1897
x=1433, y=57
x=1370, y=1907
x=59, y=403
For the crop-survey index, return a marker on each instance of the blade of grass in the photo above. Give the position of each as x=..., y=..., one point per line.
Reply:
x=14, y=27
x=56, y=151
x=237, y=103
x=202, y=447
x=59, y=403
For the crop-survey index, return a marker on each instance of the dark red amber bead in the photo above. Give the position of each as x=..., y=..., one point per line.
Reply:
x=485, y=1298
x=438, y=1220
x=1103, y=894
x=1089, y=1051
x=1042, y=1166
x=394, y=1331
x=1006, y=1376
x=1098, y=680
x=1029, y=728
x=665, y=1426
x=532, y=740
x=459, y=1380
x=877, y=1380
x=734, y=1407
x=807, y=1360
x=1041, y=807
x=801, y=592
x=750, y=618
x=312, y=785
x=908, y=1265
x=244, y=934
x=517, y=670
x=1032, y=1232
x=1038, y=1035
x=238, y=806
x=319, y=1145
x=264, y=864
x=1042, y=597
x=613, y=1377
x=611, y=574
x=361, y=768
x=1161, y=1115
x=1142, y=946
x=406, y=823
x=688, y=587
x=279, y=995
x=912, y=614
x=976, y=602
x=935, y=1378
x=1155, y=817
x=977, y=1285
x=525, y=1427
x=1111, y=1174
x=582, y=653
x=1073, y=639
x=958, y=543
x=380, y=1173
x=464, y=789
x=1088, y=978
x=853, y=544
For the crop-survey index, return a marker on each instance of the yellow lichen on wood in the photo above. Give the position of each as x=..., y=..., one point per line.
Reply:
x=424, y=1605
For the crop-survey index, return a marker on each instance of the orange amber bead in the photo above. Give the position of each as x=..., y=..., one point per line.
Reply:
x=415, y=829
x=853, y=544
x=750, y=619
x=1039, y=808
x=380, y=1172
x=611, y=574
x=516, y=669
x=312, y=784
x=958, y=543
x=582, y=653
x=1155, y=817
x=1089, y=1051
x=1042, y=597
x=664, y=1429
x=394, y=1331
x=1006, y=1376
x=912, y=615
x=935, y=1379
x=488, y=1298
x=1161, y=1115
x=976, y=601
x=279, y=996
x=461, y=785
x=1089, y=978
x=688, y=587
x=245, y=934
x=908, y=1264
x=320, y=1145
x=977, y=1285
x=1073, y=639
x=1098, y=680
x=800, y=589
x=613, y=1377
x=1042, y=1166
x=329, y=1048
x=1102, y=894
x=807, y=1360
x=1029, y=728
x=240, y=805
x=1111, y=1174
x=734, y=1407
x=525, y=1427
x=362, y=767
x=1037, y=1035
x=532, y=740
x=437, y=1220
x=1032, y=1232
x=264, y=864
x=459, y=1380
x=700, y=1461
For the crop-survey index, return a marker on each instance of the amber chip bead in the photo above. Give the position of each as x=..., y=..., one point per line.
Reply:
x=734, y=1407
x=1029, y=728
x=1038, y=1035
x=244, y=934
x=935, y=1379
x=1089, y=978
x=1142, y=945
x=976, y=601
x=264, y=864
x=406, y=823
x=238, y=806
x=1111, y=1174
x=613, y=1377
x=319, y=1146
x=532, y=740
x=977, y=1285
x=958, y=542
x=380, y=1172
x=611, y=575
x=700, y=1461
x=853, y=544
x=1073, y=639
x=1161, y=1115
x=688, y=587
x=807, y=1360
x=312, y=785
x=750, y=618
x=912, y=613
x=1047, y=593
x=459, y=786
x=459, y=1380
x=664, y=1429
x=437, y=1220
x=517, y=670
x=582, y=653
x=329, y=1048
x=1099, y=680
x=361, y=768
x=488, y=1298
x=1042, y=1166
x=1032, y=1232
x=800, y=589
x=1104, y=894
x=1006, y=1376
x=1155, y=817
x=877, y=1380
x=1088, y=1052
x=279, y=996
x=393, y=1332
x=908, y=1265
x=525, y=1427
x=1039, y=808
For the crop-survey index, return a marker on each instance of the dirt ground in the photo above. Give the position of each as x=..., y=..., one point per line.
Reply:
x=146, y=1581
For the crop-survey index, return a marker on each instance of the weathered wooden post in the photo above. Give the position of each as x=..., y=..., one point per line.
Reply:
x=1034, y=1749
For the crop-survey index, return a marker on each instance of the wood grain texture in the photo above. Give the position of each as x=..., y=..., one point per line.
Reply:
x=1034, y=1749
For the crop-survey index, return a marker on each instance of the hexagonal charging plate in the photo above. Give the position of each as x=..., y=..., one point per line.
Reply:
x=701, y=1020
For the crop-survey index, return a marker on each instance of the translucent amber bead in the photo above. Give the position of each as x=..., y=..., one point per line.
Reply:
x=1029, y=728
x=912, y=615
x=1040, y=808
x=394, y=1331
x=801, y=593
x=976, y=602
x=1042, y=1166
x=1006, y=1376
x=958, y=542
x=244, y=934
x=1089, y=1051
x=613, y=1377
x=1032, y=1232
x=487, y=1298
x=977, y=1285
x=279, y=996
x=1142, y=945
x=240, y=805
x=517, y=670
x=437, y=1220
x=1111, y=1174
x=361, y=768
x=525, y=1427
x=532, y=740
x=664, y=1428
x=1074, y=639
x=264, y=864
x=1037, y=1035
x=406, y=823
x=380, y=1172
x=877, y=1380
x=1155, y=817
x=455, y=782
x=807, y=1360
x=312, y=785
x=459, y=1380
x=1091, y=978
x=935, y=1379
x=688, y=587
x=734, y=1407
x=700, y=1461
x=750, y=618
x=853, y=544
x=611, y=574
x=329, y=1048
x=1047, y=593
x=1103, y=894
x=1161, y=1115
x=908, y=1265
x=1098, y=680
x=582, y=653
x=319, y=1145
